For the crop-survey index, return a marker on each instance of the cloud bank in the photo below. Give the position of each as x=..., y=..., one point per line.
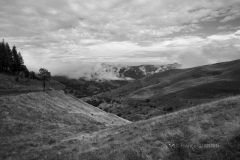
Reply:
x=72, y=36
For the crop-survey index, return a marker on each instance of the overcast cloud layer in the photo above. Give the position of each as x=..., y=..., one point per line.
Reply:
x=71, y=36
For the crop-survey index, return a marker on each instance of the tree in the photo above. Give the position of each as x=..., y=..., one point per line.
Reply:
x=21, y=66
x=16, y=63
x=44, y=76
x=4, y=56
x=20, y=59
x=9, y=58
x=26, y=73
x=32, y=75
x=1, y=54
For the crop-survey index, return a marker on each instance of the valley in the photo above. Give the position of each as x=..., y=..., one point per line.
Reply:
x=172, y=90
x=108, y=77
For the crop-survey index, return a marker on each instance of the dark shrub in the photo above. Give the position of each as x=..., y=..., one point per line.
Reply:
x=119, y=114
x=52, y=141
x=17, y=79
x=169, y=109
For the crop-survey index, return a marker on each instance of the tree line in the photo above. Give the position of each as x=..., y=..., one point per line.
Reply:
x=12, y=61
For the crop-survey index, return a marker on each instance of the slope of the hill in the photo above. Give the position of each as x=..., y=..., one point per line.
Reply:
x=10, y=84
x=41, y=120
x=171, y=90
x=210, y=131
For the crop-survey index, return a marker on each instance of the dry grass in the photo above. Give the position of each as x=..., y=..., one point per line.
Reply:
x=52, y=125
x=209, y=131
x=34, y=122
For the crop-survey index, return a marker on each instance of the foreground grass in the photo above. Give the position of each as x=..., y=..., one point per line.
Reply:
x=53, y=126
x=30, y=123
x=210, y=131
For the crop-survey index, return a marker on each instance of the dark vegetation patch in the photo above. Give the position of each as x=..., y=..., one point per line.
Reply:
x=83, y=88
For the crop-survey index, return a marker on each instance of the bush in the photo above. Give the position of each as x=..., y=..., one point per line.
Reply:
x=52, y=141
x=169, y=109
x=17, y=79
x=119, y=114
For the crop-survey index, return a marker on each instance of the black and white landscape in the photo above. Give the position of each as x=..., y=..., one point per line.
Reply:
x=108, y=77
x=119, y=80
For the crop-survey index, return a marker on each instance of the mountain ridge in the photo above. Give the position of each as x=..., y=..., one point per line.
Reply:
x=109, y=77
x=128, y=72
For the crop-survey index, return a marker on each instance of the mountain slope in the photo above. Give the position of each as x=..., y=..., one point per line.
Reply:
x=41, y=120
x=172, y=90
x=209, y=131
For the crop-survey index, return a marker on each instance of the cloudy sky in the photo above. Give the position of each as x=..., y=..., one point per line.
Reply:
x=58, y=34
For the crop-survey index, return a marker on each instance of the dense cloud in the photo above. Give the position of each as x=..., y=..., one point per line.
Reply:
x=189, y=51
x=65, y=35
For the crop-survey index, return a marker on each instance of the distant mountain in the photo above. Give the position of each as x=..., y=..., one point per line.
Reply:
x=123, y=72
x=171, y=90
x=107, y=77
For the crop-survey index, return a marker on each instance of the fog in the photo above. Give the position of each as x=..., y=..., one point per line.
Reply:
x=73, y=70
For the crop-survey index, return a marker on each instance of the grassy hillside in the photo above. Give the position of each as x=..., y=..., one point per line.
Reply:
x=10, y=84
x=171, y=90
x=38, y=121
x=210, y=131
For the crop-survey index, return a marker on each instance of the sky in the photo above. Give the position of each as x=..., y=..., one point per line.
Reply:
x=71, y=36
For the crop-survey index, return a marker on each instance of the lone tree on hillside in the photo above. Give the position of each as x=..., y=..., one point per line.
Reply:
x=44, y=76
